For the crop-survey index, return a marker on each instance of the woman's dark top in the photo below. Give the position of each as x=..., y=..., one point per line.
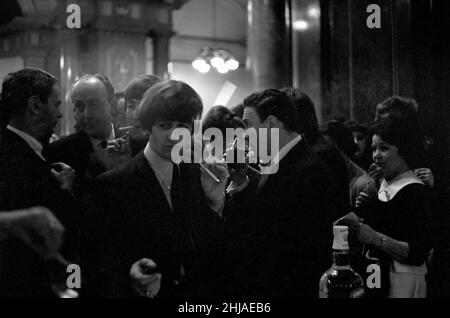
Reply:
x=404, y=218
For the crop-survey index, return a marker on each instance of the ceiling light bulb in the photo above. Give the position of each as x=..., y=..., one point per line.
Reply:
x=204, y=68
x=217, y=61
x=232, y=64
x=301, y=25
x=223, y=69
x=199, y=63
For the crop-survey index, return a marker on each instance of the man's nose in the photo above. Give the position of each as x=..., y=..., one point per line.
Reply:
x=376, y=155
x=87, y=113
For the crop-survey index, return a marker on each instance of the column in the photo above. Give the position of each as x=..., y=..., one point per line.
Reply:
x=161, y=51
x=269, y=48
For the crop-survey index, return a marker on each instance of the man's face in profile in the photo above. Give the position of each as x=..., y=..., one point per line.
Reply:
x=52, y=112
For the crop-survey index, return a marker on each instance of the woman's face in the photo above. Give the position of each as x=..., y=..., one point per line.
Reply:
x=387, y=157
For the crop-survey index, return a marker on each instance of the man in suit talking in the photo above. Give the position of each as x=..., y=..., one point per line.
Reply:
x=280, y=225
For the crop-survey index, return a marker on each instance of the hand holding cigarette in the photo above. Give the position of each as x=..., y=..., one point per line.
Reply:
x=214, y=177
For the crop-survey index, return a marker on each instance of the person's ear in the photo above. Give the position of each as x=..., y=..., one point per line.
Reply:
x=273, y=122
x=113, y=102
x=35, y=106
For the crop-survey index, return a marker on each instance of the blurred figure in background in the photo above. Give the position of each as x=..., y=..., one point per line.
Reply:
x=133, y=94
x=360, y=181
x=363, y=156
x=308, y=127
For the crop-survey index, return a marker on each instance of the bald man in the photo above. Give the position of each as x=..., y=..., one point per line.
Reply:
x=92, y=98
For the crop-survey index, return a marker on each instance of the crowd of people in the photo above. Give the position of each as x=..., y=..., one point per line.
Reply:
x=110, y=197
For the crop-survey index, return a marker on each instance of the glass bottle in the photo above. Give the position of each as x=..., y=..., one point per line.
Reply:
x=341, y=281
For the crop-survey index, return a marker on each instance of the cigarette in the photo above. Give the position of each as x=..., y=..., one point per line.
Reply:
x=254, y=170
x=126, y=128
x=212, y=175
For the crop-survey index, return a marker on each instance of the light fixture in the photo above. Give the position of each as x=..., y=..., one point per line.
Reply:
x=220, y=59
x=314, y=12
x=301, y=25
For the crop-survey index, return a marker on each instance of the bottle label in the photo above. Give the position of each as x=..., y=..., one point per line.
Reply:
x=340, y=233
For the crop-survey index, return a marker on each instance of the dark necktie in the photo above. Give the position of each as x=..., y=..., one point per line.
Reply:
x=175, y=190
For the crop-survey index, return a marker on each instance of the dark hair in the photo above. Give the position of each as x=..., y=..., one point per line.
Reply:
x=354, y=126
x=406, y=107
x=19, y=86
x=276, y=103
x=341, y=136
x=169, y=101
x=105, y=81
x=238, y=110
x=139, y=85
x=221, y=118
x=400, y=133
x=306, y=114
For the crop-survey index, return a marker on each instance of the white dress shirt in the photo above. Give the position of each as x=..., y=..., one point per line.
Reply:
x=30, y=140
x=163, y=171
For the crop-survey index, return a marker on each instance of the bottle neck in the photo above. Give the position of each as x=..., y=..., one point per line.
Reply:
x=341, y=258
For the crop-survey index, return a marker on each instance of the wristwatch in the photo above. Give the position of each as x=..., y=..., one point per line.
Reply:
x=383, y=240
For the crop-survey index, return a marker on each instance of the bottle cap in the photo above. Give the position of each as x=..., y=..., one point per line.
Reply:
x=340, y=233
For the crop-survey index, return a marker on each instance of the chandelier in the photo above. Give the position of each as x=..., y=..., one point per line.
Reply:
x=220, y=59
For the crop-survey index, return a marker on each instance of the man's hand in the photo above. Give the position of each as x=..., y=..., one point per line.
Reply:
x=426, y=176
x=38, y=228
x=362, y=199
x=215, y=191
x=64, y=174
x=117, y=152
x=144, y=280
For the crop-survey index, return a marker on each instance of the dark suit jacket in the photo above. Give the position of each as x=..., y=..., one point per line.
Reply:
x=280, y=237
x=130, y=219
x=26, y=181
x=74, y=150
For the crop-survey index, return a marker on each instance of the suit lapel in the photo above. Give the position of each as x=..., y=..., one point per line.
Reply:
x=286, y=164
x=149, y=182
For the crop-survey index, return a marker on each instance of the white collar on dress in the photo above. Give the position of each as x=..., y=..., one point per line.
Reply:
x=388, y=190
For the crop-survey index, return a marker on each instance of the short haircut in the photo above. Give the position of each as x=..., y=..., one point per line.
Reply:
x=306, y=114
x=341, y=136
x=19, y=86
x=406, y=107
x=169, y=101
x=105, y=81
x=276, y=103
x=136, y=88
x=400, y=133
x=221, y=118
